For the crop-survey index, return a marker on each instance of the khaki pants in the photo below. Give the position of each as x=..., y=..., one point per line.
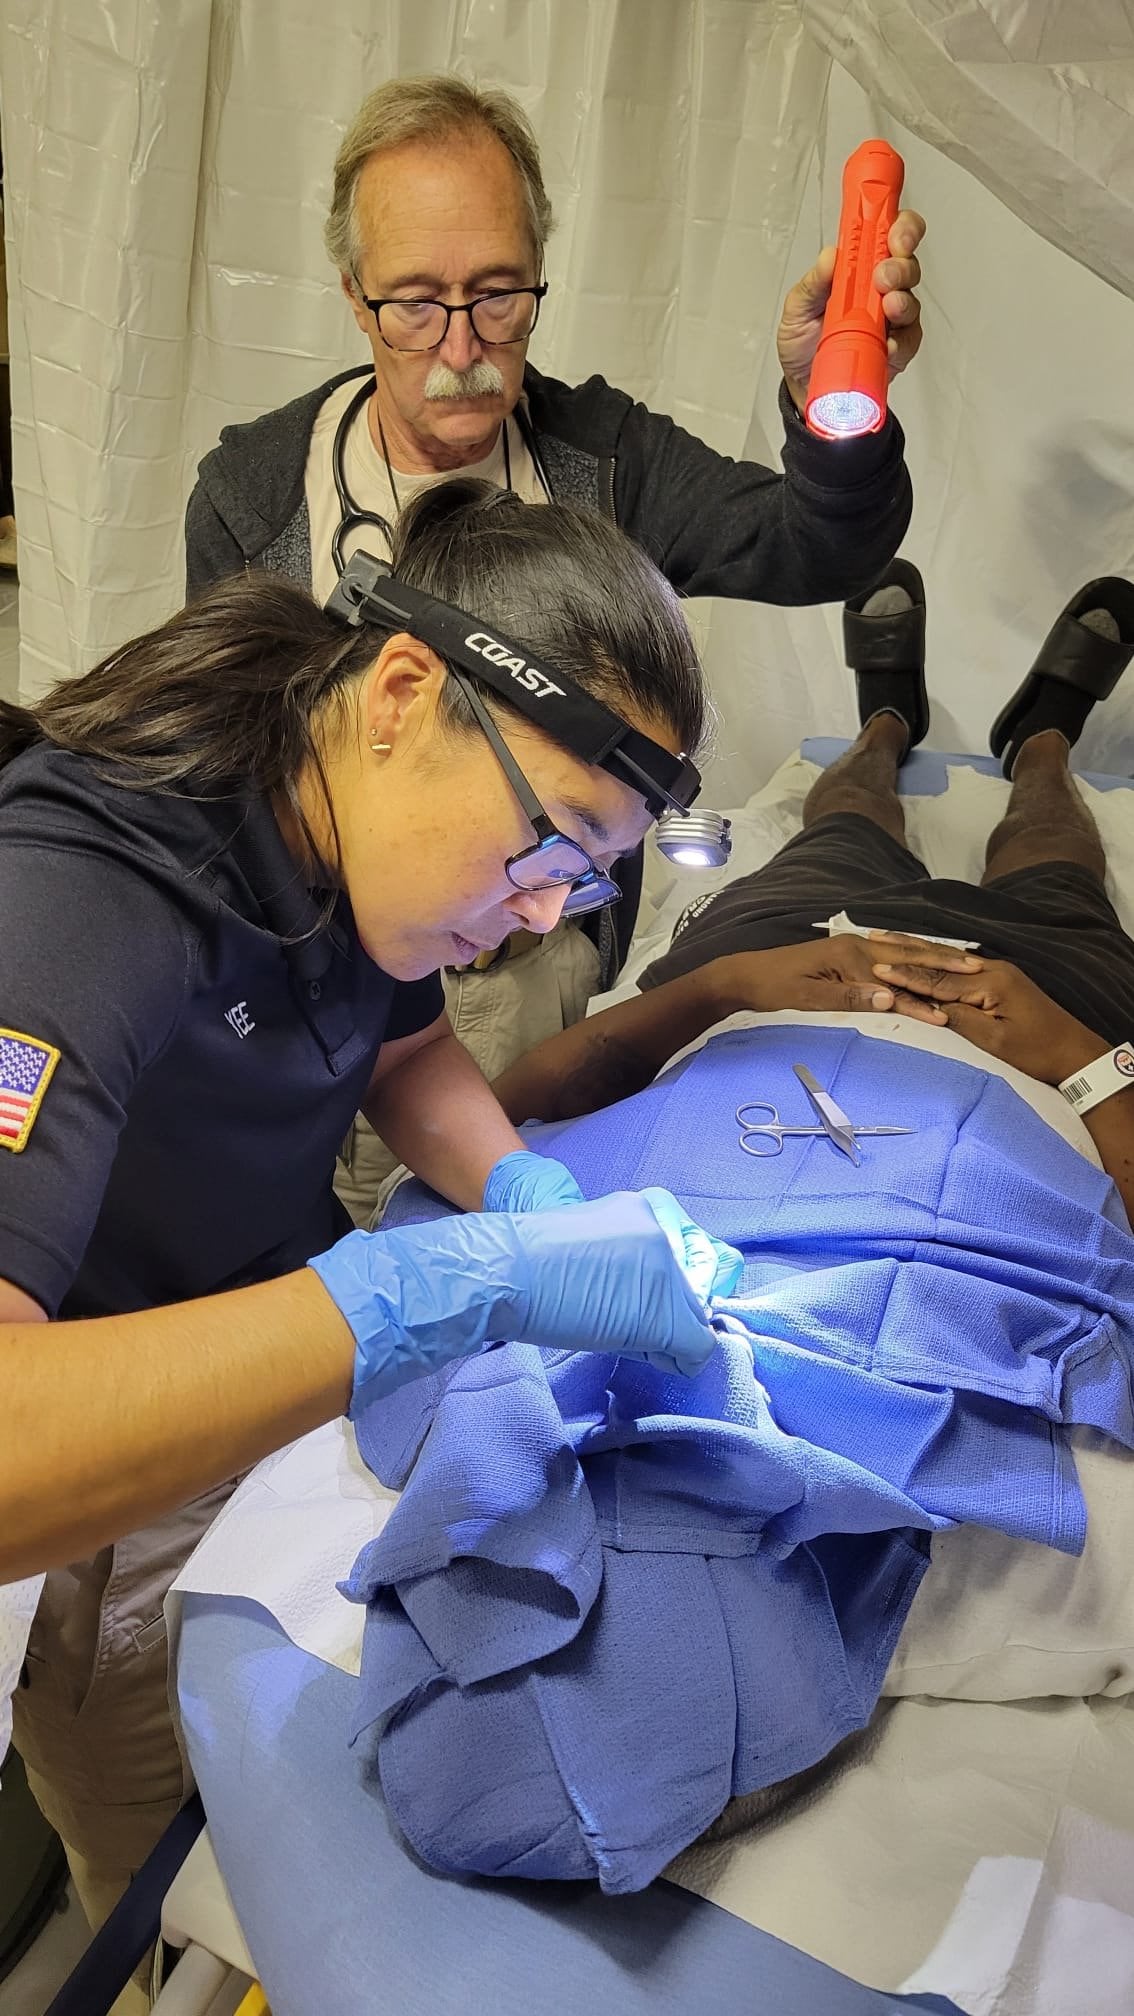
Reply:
x=498, y=1016
x=93, y=1725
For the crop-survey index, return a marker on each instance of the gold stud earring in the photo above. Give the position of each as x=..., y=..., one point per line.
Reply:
x=378, y=747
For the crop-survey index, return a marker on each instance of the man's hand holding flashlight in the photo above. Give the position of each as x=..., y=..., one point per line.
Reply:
x=895, y=278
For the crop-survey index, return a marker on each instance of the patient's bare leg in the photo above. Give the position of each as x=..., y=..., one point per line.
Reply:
x=865, y=780
x=1046, y=818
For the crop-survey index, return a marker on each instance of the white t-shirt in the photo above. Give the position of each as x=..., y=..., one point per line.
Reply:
x=369, y=485
x=18, y=1602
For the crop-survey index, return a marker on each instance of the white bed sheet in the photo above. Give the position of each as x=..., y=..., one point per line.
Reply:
x=18, y=1602
x=984, y=1850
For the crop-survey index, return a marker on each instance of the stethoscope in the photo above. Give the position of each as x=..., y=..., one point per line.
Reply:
x=352, y=518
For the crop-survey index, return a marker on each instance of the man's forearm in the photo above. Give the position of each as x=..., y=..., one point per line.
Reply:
x=615, y=1053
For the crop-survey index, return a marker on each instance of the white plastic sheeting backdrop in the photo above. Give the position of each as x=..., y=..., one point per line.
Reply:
x=167, y=164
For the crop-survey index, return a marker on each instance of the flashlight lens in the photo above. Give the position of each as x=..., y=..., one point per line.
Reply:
x=691, y=857
x=842, y=413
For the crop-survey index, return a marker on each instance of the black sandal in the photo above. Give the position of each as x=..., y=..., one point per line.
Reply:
x=1075, y=667
x=886, y=653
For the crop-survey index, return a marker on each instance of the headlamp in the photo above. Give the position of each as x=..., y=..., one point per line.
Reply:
x=367, y=592
x=694, y=839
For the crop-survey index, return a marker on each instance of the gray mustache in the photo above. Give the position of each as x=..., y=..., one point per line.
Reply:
x=482, y=380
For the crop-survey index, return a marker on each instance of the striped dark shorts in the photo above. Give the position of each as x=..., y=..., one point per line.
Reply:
x=1055, y=921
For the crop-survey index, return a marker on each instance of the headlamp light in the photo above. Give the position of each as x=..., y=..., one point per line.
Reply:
x=701, y=839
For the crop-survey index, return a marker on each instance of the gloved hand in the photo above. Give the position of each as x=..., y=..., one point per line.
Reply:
x=523, y=1181
x=711, y=1267
x=605, y=1276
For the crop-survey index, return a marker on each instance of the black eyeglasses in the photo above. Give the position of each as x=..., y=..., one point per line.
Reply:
x=554, y=859
x=506, y=315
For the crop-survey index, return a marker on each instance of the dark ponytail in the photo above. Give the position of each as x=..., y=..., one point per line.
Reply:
x=229, y=696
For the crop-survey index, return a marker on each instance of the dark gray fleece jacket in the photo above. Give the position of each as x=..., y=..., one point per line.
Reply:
x=821, y=530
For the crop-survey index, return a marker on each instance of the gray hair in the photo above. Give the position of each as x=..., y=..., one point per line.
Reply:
x=429, y=108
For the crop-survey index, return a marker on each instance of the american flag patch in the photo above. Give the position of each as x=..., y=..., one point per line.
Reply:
x=26, y=1066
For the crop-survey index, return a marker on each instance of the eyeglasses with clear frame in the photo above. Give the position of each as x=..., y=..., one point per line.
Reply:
x=506, y=315
x=554, y=859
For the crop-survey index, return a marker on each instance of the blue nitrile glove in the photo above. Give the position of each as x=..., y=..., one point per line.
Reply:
x=522, y=1181
x=591, y=1277
x=711, y=1267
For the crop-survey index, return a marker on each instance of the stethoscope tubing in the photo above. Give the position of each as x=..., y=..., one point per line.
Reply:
x=352, y=518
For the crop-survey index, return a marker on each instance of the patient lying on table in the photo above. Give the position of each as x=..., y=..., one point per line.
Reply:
x=614, y=1602
x=1054, y=984
x=611, y=1606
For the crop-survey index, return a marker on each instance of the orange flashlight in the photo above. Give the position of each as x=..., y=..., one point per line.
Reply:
x=846, y=393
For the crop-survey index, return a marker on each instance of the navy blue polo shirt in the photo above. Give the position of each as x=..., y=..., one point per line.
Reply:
x=212, y=1054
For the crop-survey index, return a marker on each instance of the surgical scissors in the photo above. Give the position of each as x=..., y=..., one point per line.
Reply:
x=833, y=1123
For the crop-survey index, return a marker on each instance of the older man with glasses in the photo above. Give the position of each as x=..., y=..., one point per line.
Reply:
x=438, y=223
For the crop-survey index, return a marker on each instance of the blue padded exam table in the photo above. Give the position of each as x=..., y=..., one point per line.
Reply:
x=342, y=1921
x=925, y=772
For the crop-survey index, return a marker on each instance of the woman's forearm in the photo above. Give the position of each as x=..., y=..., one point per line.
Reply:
x=130, y=1416
x=134, y=1415
x=439, y=1116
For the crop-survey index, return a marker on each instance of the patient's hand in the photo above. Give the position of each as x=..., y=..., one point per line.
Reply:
x=834, y=974
x=992, y=1003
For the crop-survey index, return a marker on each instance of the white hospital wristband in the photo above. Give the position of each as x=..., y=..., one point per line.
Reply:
x=1097, y=1081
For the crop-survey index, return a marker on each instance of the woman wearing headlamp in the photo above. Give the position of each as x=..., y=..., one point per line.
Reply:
x=232, y=859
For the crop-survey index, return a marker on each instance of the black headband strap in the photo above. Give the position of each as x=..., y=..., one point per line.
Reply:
x=369, y=593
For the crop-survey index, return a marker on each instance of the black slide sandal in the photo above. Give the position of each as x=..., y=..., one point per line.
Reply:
x=1078, y=663
x=885, y=649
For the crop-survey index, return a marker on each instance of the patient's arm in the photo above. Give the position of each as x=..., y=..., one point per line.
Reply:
x=621, y=1049
x=611, y=1054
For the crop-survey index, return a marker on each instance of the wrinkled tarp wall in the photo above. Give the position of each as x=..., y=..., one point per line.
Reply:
x=167, y=164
